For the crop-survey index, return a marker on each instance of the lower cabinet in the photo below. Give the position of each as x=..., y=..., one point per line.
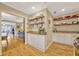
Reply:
x=63, y=38
x=37, y=41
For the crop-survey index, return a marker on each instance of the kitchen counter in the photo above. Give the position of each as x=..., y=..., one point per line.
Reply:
x=33, y=32
x=37, y=41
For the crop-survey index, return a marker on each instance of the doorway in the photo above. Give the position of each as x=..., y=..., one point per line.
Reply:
x=12, y=29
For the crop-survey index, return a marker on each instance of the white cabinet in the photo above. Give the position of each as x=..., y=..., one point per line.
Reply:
x=69, y=39
x=30, y=39
x=37, y=41
x=63, y=38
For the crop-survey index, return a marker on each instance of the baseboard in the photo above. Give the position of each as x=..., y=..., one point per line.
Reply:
x=63, y=44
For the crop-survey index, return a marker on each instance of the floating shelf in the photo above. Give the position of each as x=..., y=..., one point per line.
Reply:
x=36, y=18
x=66, y=24
x=37, y=23
x=66, y=17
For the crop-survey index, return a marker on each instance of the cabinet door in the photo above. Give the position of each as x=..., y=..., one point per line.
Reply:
x=30, y=39
x=39, y=42
x=36, y=41
x=69, y=40
x=56, y=37
x=63, y=38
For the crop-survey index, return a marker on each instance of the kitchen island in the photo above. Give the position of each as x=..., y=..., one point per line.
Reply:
x=36, y=40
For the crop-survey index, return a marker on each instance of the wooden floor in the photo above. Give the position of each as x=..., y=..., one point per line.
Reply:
x=20, y=49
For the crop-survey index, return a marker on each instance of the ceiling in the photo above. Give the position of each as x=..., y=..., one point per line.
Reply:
x=56, y=8
x=11, y=18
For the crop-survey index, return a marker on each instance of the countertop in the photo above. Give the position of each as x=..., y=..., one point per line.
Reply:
x=33, y=32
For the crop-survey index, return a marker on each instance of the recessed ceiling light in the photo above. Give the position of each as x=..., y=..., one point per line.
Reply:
x=33, y=7
x=62, y=9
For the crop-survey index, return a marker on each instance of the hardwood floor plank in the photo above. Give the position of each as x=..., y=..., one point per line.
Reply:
x=20, y=49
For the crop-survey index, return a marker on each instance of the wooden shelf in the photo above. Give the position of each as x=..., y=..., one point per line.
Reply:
x=66, y=24
x=36, y=18
x=37, y=23
x=69, y=17
x=65, y=19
